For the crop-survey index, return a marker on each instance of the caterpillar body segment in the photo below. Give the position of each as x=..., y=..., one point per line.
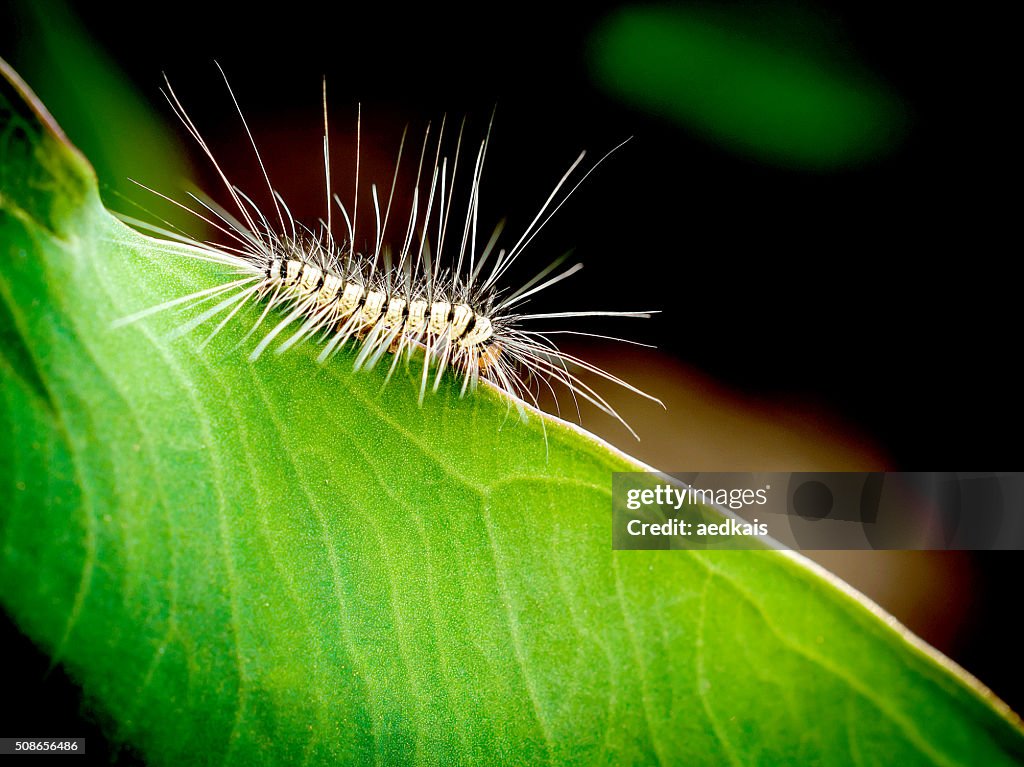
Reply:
x=349, y=307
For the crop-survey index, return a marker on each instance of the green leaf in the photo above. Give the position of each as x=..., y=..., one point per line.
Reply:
x=284, y=563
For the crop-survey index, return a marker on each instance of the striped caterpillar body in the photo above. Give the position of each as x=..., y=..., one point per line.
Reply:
x=381, y=301
x=381, y=318
x=359, y=311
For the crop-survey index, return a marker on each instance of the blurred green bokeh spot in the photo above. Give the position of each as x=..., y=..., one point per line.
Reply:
x=743, y=86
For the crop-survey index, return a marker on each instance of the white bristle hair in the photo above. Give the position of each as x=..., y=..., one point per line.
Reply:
x=316, y=287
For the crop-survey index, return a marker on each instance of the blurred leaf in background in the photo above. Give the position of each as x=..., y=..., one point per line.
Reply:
x=117, y=128
x=758, y=82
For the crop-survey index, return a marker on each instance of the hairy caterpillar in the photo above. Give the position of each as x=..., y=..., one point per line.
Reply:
x=331, y=291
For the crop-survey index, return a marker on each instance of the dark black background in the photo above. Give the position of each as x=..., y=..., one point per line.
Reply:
x=886, y=293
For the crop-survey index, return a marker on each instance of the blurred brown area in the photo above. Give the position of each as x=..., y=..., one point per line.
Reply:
x=705, y=425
